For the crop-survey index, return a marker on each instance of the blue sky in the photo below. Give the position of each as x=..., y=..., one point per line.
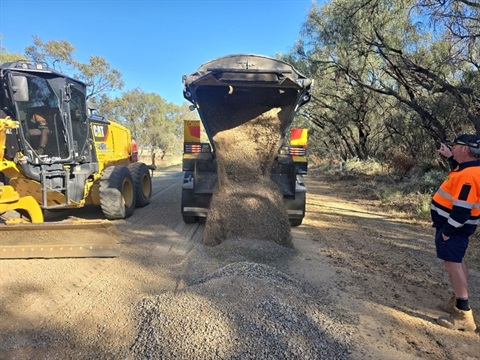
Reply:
x=154, y=42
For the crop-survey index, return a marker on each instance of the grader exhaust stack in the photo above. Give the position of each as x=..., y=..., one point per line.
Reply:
x=243, y=92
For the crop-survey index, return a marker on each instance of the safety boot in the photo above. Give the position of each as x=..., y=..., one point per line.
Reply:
x=458, y=320
x=449, y=306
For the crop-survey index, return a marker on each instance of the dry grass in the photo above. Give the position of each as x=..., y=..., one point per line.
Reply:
x=373, y=184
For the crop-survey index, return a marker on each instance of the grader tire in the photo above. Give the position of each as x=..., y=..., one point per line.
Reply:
x=117, y=193
x=143, y=183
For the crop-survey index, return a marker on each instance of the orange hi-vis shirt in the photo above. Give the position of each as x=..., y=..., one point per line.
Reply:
x=455, y=206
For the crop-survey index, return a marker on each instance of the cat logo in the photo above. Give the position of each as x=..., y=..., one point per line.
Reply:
x=100, y=132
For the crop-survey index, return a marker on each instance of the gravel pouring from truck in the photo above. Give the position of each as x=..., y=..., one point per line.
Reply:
x=231, y=91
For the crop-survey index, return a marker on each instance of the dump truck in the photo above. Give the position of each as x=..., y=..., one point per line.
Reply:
x=228, y=92
x=56, y=154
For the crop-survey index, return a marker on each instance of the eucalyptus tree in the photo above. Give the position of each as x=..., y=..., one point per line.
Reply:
x=59, y=54
x=390, y=48
x=165, y=127
x=345, y=117
x=331, y=52
x=458, y=23
x=460, y=18
x=155, y=124
x=5, y=56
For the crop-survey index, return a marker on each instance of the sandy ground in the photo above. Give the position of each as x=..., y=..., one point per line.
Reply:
x=386, y=273
x=376, y=272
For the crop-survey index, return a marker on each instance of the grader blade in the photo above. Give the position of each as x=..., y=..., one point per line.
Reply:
x=66, y=239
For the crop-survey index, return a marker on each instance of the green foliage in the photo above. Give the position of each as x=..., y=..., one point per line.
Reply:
x=389, y=79
x=59, y=54
x=431, y=181
x=56, y=53
x=365, y=167
x=371, y=181
x=5, y=56
x=154, y=123
x=100, y=77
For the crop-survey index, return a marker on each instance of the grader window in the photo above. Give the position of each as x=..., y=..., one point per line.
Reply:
x=78, y=113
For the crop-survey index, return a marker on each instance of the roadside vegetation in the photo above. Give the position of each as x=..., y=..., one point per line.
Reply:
x=373, y=184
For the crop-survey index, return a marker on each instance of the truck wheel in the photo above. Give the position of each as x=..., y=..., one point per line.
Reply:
x=295, y=222
x=117, y=193
x=189, y=219
x=143, y=183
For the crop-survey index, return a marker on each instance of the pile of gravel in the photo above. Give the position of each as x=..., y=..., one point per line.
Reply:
x=244, y=310
x=247, y=202
x=202, y=260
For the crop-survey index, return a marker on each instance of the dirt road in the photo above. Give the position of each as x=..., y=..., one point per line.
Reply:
x=376, y=272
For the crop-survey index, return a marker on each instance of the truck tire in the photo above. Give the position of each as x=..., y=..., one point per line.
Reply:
x=143, y=183
x=117, y=193
x=295, y=222
x=189, y=219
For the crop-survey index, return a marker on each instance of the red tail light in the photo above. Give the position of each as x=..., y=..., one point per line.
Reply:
x=134, y=156
x=297, y=151
x=192, y=148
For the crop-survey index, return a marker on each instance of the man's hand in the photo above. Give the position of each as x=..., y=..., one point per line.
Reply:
x=445, y=151
x=445, y=237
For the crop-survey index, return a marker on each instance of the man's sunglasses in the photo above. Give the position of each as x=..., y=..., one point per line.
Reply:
x=475, y=145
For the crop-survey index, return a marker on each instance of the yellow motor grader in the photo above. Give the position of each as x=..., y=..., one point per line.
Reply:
x=54, y=154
